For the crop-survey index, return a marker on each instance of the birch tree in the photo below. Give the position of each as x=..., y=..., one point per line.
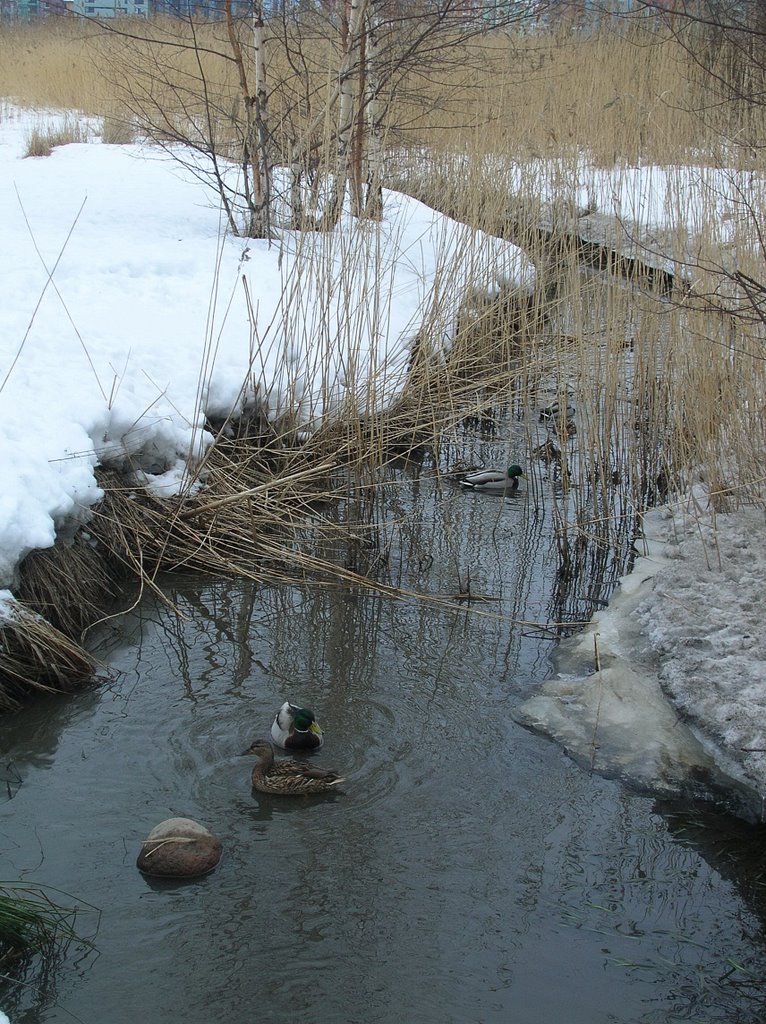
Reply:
x=312, y=93
x=256, y=157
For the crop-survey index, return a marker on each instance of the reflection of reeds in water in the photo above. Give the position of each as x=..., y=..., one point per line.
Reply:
x=268, y=489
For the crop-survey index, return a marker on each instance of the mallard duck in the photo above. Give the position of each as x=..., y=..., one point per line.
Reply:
x=493, y=479
x=548, y=452
x=296, y=728
x=553, y=412
x=288, y=777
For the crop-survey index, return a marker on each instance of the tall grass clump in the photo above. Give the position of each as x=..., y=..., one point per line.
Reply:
x=35, y=657
x=117, y=128
x=31, y=923
x=43, y=140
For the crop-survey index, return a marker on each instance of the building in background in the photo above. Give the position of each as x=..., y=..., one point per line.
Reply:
x=109, y=8
x=24, y=10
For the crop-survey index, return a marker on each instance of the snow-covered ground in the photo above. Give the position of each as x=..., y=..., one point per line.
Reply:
x=125, y=323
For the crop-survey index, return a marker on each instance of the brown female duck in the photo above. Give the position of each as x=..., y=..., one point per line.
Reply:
x=288, y=777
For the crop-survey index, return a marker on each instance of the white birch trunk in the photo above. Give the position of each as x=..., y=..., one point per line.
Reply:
x=373, y=207
x=264, y=190
x=346, y=78
x=296, y=177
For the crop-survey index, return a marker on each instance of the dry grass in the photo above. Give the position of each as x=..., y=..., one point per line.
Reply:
x=49, y=63
x=42, y=141
x=626, y=93
x=266, y=490
x=69, y=584
x=666, y=387
x=37, y=658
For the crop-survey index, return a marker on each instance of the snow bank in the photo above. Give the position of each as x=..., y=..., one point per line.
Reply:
x=679, y=703
x=125, y=324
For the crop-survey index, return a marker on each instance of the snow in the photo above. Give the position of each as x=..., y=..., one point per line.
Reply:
x=125, y=325
x=124, y=321
x=678, y=700
x=705, y=199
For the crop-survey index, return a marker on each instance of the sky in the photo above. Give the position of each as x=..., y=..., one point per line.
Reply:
x=129, y=315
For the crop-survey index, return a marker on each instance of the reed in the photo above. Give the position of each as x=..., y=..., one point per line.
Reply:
x=35, y=657
x=534, y=94
x=42, y=141
x=667, y=383
x=69, y=584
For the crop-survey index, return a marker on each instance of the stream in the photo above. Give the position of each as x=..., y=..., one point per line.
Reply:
x=469, y=873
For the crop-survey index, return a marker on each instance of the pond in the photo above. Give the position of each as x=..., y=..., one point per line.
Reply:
x=469, y=872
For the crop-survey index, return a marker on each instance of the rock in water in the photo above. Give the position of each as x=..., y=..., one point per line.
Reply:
x=179, y=848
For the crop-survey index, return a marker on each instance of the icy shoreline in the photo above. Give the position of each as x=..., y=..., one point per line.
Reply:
x=679, y=703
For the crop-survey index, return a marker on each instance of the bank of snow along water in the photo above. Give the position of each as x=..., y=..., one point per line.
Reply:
x=666, y=688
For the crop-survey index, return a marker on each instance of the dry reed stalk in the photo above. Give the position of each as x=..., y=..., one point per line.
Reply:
x=659, y=387
x=35, y=657
x=263, y=493
x=69, y=584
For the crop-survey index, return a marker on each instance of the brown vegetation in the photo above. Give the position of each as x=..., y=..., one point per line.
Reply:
x=693, y=357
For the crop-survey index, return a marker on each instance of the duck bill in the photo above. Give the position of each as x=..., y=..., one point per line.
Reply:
x=315, y=728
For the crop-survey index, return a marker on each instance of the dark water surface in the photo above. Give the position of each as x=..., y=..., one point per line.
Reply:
x=470, y=872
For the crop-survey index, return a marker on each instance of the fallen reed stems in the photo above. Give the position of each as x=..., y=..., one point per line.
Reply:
x=35, y=657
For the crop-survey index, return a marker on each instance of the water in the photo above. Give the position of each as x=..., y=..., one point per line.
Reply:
x=470, y=872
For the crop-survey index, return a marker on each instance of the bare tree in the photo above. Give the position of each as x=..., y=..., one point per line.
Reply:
x=256, y=156
x=724, y=41
x=312, y=91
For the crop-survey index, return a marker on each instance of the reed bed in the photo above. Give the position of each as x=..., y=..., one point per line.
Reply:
x=553, y=92
x=667, y=384
x=270, y=491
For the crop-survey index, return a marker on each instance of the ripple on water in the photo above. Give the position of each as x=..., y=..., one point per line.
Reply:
x=441, y=885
